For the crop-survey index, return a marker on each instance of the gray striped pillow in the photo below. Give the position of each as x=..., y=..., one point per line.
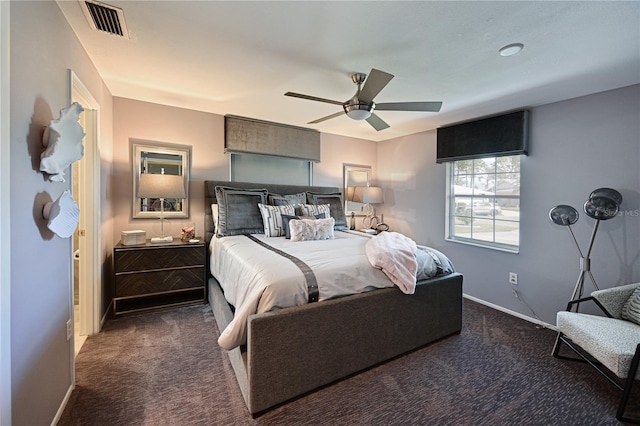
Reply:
x=272, y=219
x=631, y=308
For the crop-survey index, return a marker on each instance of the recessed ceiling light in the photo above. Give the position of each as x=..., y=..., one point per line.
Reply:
x=511, y=49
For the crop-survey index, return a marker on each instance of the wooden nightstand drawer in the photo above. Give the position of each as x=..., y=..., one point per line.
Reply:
x=152, y=276
x=129, y=260
x=158, y=281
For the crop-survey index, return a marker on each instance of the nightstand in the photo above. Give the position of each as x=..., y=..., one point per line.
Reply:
x=153, y=276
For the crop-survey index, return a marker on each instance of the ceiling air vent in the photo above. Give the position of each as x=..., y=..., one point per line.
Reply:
x=106, y=18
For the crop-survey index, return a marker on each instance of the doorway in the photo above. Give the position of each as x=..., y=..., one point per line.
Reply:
x=87, y=283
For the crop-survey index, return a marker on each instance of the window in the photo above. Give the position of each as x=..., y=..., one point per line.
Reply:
x=270, y=169
x=484, y=202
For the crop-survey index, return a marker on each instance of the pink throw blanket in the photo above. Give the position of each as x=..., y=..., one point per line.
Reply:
x=395, y=254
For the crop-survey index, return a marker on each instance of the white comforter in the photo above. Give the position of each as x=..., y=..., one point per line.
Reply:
x=255, y=279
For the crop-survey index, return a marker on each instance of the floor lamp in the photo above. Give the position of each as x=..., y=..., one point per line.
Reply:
x=602, y=204
x=161, y=186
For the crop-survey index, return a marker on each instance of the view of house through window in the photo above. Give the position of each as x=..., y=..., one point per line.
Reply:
x=484, y=202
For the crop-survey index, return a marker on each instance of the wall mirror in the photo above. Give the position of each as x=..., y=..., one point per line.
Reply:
x=160, y=158
x=354, y=175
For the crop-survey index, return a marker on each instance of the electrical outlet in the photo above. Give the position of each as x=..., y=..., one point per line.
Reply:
x=69, y=330
x=513, y=278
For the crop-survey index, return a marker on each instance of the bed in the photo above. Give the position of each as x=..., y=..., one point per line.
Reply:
x=294, y=350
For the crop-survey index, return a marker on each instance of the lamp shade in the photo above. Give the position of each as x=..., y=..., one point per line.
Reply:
x=603, y=204
x=368, y=194
x=563, y=215
x=161, y=186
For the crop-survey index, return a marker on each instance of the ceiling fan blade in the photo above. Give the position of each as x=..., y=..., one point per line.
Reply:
x=328, y=117
x=409, y=106
x=377, y=122
x=312, y=98
x=374, y=83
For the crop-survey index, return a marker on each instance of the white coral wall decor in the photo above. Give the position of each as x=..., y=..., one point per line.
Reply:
x=63, y=142
x=62, y=215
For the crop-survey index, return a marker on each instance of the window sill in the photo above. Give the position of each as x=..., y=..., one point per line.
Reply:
x=488, y=245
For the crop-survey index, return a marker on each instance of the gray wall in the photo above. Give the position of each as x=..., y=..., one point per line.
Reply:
x=576, y=146
x=43, y=48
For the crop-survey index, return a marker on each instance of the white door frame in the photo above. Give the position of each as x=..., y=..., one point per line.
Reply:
x=5, y=223
x=90, y=232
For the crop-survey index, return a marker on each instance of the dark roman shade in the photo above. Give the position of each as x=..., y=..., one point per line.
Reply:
x=501, y=135
x=263, y=137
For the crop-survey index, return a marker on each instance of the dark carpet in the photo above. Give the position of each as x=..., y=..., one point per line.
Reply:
x=165, y=368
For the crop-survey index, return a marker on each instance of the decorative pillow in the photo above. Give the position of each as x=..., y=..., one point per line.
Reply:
x=286, y=219
x=214, y=216
x=294, y=199
x=272, y=218
x=279, y=201
x=312, y=210
x=631, y=308
x=336, y=206
x=238, y=211
x=310, y=230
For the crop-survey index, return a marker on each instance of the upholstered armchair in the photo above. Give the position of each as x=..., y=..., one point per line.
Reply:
x=604, y=341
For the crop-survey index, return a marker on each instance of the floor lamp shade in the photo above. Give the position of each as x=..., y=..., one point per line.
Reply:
x=161, y=186
x=602, y=204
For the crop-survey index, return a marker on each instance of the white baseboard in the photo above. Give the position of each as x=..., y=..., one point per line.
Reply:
x=510, y=312
x=106, y=315
x=56, y=419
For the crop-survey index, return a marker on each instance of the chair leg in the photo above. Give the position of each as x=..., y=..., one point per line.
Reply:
x=556, y=345
x=631, y=376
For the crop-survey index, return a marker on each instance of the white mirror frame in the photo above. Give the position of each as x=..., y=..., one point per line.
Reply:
x=360, y=175
x=138, y=147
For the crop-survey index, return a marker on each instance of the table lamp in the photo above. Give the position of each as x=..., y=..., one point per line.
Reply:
x=161, y=186
x=368, y=195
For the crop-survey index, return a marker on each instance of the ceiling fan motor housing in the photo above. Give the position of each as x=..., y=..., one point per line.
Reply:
x=357, y=110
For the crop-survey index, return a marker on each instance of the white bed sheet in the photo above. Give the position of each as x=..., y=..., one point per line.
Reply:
x=255, y=279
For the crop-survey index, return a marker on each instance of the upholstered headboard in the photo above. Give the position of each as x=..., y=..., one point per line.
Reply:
x=210, y=196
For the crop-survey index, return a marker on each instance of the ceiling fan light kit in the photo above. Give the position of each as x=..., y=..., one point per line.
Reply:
x=361, y=105
x=358, y=110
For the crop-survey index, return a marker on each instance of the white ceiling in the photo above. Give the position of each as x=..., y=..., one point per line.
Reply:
x=241, y=57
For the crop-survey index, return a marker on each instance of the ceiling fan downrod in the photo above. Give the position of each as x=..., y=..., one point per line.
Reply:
x=354, y=108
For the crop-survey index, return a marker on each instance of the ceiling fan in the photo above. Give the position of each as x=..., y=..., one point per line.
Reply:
x=361, y=105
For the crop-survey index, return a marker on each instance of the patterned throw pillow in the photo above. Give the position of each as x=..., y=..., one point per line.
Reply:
x=310, y=230
x=631, y=308
x=295, y=199
x=336, y=206
x=272, y=219
x=313, y=209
